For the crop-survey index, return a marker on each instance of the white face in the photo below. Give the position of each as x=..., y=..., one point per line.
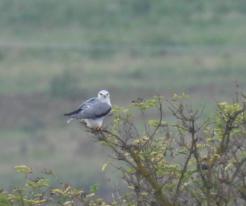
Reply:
x=103, y=94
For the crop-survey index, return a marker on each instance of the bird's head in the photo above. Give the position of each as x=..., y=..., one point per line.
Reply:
x=103, y=95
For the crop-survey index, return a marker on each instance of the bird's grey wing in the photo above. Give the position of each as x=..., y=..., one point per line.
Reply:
x=81, y=107
x=96, y=109
x=87, y=102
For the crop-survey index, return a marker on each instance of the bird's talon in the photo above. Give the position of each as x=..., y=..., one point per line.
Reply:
x=98, y=129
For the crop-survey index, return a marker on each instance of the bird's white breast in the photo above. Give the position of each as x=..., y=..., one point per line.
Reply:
x=94, y=123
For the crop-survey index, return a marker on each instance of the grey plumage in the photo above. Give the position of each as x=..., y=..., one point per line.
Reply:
x=92, y=110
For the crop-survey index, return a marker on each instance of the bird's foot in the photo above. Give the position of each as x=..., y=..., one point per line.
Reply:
x=98, y=129
x=94, y=130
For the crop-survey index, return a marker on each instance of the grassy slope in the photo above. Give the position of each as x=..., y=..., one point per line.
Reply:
x=125, y=39
x=158, y=22
x=134, y=48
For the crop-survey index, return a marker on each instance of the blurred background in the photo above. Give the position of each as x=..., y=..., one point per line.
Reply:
x=56, y=53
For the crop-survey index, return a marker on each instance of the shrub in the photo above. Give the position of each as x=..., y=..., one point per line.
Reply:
x=176, y=160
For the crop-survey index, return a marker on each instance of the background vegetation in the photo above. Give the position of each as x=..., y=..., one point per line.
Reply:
x=54, y=54
x=186, y=160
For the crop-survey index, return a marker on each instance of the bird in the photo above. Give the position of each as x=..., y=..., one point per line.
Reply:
x=92, y=111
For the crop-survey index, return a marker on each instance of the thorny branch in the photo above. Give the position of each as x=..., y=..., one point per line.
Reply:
x=129, y=146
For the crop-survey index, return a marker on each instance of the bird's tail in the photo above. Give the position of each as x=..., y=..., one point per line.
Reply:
x=73, y=112
x=69, y=120
x=68, y=114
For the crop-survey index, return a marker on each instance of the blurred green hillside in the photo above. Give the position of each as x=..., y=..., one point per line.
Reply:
x=131, y=40
x=56, y=53
x=168, y=22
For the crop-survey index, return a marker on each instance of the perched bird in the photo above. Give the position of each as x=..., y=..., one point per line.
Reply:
x=93, y=110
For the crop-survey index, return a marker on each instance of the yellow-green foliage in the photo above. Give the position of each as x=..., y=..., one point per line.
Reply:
x=165, y=162
x=38, y=191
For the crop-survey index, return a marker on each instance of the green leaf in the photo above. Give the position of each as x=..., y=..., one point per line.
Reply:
x=104, y=166
x=94, y=188
x=4, y=200
x=38, y=183
x=23, y=169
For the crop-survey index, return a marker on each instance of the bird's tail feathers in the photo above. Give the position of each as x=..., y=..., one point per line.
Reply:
x=69, y=120
x=68, y=114
x=73, y=112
